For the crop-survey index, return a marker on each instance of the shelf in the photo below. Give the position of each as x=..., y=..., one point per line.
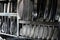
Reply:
x=24, y=37
x=23, y=22
x=8, y=14
x=4, y=35
x=41, y=23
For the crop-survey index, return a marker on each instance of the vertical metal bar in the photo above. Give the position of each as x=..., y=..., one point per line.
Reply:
x=8, y=7
x=10, y=25
x=17, y=19
x=32, y=32
x=11, y=7
x=8, y=10
x=4, y=7
x=2, y=23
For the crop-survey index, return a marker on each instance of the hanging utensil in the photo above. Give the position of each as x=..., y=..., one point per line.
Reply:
x=24, y=30
x=40, y=33
x=36, y=31
x=29, y=28
x=13, y=26
x=47, y=10
x=11, y=8
x=53, y=10
x=0, y=24
x=33, y=30
x=45, y=32
x=55, y=34
x=40, y=8
x=20, y=8
x=50, y=32
x=5, y=7
x=8, y=7
x=11, y=22
x=25, y=9
x=4, y=26
x=8, y=24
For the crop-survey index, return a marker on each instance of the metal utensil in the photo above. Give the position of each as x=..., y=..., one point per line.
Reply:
x=4, y=26
x=41, y=8
x=50, y=32
x=40, y=33
x=32, y=31
x=53, y=9
x=13, y=26
x=8, y=7
x=55, y=34
x=36, y=32
x=45, y=32
x=47, y=10
x=29, y=28
x=0, y=24
x=25, y=9
x=24, y=30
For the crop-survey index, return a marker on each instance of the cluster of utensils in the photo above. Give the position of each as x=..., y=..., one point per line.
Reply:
x=8, y=6
x=39, y=31
x=46, y=9
x=38, y=10
x=8, y=25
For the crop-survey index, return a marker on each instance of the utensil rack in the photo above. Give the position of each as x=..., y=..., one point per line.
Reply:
x=19, y=21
